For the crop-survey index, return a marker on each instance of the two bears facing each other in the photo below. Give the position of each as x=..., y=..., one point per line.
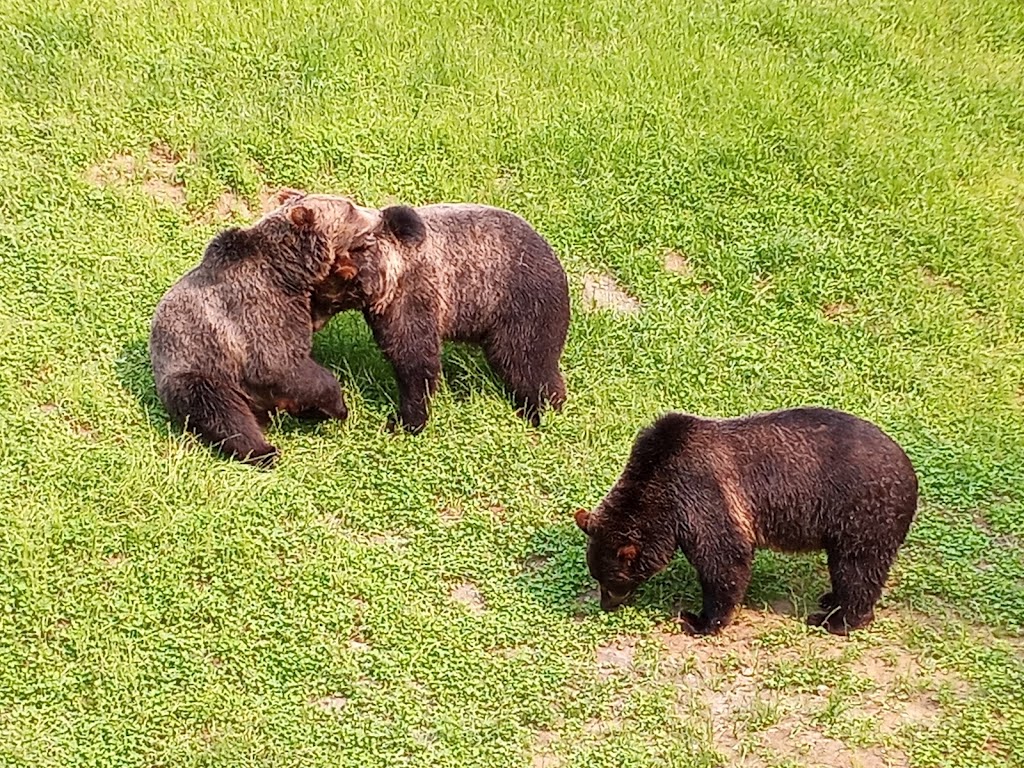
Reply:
x=794, y=480
x=230, y=341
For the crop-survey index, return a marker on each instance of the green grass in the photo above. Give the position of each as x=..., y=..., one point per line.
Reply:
x=846, y=183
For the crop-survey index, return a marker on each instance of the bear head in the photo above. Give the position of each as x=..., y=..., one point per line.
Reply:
x=315, y=237
x=367, y=275
x=616, y=557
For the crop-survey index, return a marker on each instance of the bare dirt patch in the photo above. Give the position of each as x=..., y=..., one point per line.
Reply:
x=837, y=310
x=450, y=515
x=357, y=641
x=534, y=563
x=156, y=174
x=757, y=721
x=543, y=750
x=163, y=191
x=332, y=703
x=467, y=594
x=933, y=279
x=599, y=727
x=677, y=263
x=161, y=176
x=513, y=652
x=616, y=657
x=388, y=540
x=119, y=169
x=81, y=428
x=230, y=206
x=423, y=736
x=546, y=761
x=163, y=158
x=1002, y=539
x=601, y=291
x=267, y=197
x=902, y=692
x=332, y=522
x=815, y=750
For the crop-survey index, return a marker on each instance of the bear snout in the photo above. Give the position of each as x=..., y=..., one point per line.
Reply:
x=610, y=601
x=370, y=220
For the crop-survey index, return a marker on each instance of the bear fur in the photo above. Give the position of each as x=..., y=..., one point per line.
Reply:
x=230, y=341
x=458, y=272
x=794, y=480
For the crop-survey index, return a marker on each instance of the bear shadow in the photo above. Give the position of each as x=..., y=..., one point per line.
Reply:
x=135, y=375
x=346, y=346
x=554, y=573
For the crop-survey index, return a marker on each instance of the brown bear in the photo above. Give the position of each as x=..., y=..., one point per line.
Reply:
x=230, y=341
x=458, y=272
x=793, y=480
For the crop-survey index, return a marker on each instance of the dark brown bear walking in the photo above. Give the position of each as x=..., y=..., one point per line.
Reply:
x=462, y=273
x=717, y=489
x=230, y=341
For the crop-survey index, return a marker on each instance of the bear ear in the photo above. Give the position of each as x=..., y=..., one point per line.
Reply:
x=282, y=196
x=301, y=216
x=628, y=553
x=582, y=519
x=405, y=224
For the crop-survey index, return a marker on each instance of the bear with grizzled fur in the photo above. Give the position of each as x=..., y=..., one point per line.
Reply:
x=794, y=480
x=230, y=341
x=458, y=272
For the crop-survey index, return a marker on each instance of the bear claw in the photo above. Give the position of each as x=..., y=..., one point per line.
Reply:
x=265, y=458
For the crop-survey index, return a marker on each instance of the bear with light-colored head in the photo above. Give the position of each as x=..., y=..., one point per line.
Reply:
x=230, y=341
x=458, y=272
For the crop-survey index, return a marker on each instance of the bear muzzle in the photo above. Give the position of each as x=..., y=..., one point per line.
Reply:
x=610, y=600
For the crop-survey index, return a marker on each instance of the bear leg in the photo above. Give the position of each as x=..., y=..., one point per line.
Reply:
x=531, y=381
x=857, y=583
x=409, y=338
x=417, y=381
x=312, y=392
x=724, y=575
x=220, y=416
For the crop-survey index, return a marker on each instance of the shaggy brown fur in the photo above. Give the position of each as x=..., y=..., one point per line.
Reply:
x=230, y=341
x=464, y=273
x=794, y=480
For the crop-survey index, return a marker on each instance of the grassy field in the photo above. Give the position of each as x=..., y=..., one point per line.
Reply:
x=799, y=201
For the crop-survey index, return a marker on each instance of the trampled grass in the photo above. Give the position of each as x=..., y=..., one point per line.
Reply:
x=810, y=202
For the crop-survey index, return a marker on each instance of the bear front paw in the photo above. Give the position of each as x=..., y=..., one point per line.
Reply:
x=837, y=622
x=412, y=426
x=263, y=458
x=697, y=625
